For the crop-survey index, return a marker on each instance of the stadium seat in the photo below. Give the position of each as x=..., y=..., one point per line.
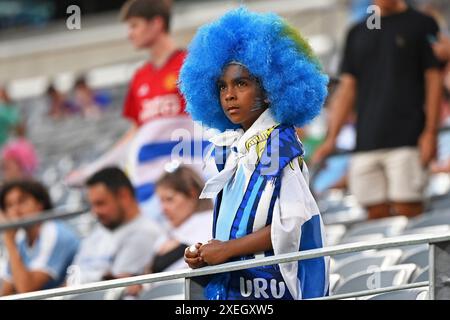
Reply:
x=432, y=230
x=357, y=264
x=334, y=233
x=385, y=277
x=362, y=238
x=163, y=290
x=422, y=275
x=346, y=216
x=429, y=219
x=334, y=281
x=108, y=294
x=410, y=294
x=418, y=256
x=388, y=227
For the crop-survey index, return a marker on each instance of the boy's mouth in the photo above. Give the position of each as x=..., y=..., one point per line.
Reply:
x=232, y=109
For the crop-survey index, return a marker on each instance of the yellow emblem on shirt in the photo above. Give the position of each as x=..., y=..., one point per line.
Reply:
x=260, y=140
x=170, y=82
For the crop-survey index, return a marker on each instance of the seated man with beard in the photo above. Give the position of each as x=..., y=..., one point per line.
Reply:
x=122, y=244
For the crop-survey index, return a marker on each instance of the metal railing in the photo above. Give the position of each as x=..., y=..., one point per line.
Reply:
x=56, y=213
x=439, y=281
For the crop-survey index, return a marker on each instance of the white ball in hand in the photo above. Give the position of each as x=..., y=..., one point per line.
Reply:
x=193, y=249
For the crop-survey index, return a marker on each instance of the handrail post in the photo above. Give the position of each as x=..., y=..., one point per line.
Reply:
x=431, y=274
x=439, y=272
x=187, y=289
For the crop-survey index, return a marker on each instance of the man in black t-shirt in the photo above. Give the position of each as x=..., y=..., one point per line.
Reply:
x=391, y=77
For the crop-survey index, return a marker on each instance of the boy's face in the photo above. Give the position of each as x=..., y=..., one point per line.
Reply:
x=142, y=32
x=241, y=96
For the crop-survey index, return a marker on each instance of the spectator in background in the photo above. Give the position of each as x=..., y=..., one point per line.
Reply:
x=59, y=107
x=393, y=79
x=123, y=243
x=18, y=160
x=39, y=254
x=9, y=117
x=84, y=99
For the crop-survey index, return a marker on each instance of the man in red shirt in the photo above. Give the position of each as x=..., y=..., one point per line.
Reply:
x=152, y=97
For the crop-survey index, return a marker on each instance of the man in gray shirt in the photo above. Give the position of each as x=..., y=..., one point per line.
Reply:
x=124, y=241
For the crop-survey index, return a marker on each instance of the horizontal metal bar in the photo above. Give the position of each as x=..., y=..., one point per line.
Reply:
x=237, y=265
x=57, y=213
x=375, y=291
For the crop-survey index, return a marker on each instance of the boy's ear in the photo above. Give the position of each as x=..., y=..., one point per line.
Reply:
x=159, y=20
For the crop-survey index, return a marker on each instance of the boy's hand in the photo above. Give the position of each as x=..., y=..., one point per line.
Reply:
x=214, y=252
x=193, y=259
x=9, y=235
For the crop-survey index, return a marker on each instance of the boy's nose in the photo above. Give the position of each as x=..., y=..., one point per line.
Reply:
x=229, y=95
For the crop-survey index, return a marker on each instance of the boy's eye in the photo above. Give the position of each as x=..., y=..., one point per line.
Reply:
x=241, y=83
x=221, y=87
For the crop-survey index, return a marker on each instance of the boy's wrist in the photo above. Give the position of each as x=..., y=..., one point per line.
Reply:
x=230, y=249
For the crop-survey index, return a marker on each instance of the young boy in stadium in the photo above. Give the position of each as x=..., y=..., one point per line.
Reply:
x=254, y=76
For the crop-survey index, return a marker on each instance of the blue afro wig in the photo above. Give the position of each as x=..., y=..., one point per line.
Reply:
x=272, y=50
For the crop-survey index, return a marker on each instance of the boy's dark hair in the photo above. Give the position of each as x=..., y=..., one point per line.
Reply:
x=113, y=178
x=147, y=9
x=34, y=188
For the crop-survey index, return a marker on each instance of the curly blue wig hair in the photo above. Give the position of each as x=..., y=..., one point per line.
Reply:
x=272, y=50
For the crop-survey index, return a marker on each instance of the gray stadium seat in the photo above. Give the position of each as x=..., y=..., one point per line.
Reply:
x=418, y=256
x=410, y=294
x=168, y=289
x=337, y=259
x=388, y=227
x=385, y=277
x=430, y=219
x=109, y=294
x=362, y=238
x=95, y=295
x=346, y=216
x=432, y=230
x=334, y=233
x=334, y=281
x=357, y=264
x=422, y=275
